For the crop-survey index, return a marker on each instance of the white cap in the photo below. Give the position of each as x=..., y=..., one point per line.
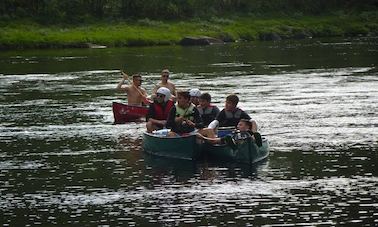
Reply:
x=164, y=91
x=195, y=92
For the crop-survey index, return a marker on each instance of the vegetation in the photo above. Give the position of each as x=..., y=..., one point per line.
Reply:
x=74, y=23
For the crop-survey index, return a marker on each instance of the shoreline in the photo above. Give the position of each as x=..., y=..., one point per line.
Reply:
x=18, y=35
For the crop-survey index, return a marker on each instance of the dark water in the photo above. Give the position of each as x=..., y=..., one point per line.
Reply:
x=63, y=162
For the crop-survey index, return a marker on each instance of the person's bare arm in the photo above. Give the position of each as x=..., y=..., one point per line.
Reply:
x=145, y=99
x=119, y=86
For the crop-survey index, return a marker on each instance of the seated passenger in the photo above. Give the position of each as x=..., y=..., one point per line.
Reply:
x=158, y=111
x=207, y=111
x=194, y=93
x=231, y=115
x=242, y=132
x=184, y=116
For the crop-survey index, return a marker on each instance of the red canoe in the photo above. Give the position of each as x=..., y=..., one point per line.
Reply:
x=127, y=113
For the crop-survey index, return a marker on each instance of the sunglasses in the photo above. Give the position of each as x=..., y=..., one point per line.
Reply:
x=160, y=95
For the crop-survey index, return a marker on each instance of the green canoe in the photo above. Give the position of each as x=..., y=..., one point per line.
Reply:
x=184, y=147
x=246, y=151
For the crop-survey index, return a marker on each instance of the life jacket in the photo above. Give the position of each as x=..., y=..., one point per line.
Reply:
x=187, y=113
x=231, y=118
x=208, y=114
x=160, y=113
x=233, y=115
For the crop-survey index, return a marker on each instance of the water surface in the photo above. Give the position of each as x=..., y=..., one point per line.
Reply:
x=63, y=162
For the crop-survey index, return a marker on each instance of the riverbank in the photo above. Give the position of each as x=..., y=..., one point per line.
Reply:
x=24, y=35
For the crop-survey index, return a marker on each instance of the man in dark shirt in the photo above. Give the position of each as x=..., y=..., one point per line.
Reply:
x=231, y=114
x=207, y=111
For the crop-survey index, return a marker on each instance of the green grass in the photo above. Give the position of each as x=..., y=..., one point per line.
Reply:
x=147, y=32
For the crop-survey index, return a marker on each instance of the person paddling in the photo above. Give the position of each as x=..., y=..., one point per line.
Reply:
x=136, y=95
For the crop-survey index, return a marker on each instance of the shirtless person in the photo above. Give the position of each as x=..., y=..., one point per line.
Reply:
x=136, y=95
x=165, y=83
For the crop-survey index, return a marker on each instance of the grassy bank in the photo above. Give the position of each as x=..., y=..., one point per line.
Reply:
x=17, y=35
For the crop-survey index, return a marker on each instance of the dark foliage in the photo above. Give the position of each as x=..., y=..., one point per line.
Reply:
x=78, y=11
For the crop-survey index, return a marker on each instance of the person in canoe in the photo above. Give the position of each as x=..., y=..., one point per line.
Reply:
x=136, y=95
x=165, y=83
x=194, y=93
x=242, y=132
x=207, y=111
x=184, y=116
x=231, y=115
x=158, y=111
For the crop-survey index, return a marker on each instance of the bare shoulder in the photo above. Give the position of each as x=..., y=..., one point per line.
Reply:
x=171, y=86
x=124, y=88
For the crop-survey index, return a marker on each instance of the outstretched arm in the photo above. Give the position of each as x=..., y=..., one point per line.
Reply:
x=124, y=78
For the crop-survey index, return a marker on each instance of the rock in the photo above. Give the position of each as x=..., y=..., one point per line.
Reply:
x=200, y=40
x=227, y=38
x=270, y=36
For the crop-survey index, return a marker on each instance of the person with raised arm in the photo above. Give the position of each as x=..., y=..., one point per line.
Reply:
x=136, y=95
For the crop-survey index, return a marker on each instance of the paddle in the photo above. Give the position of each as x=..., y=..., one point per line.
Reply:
x=138, y=89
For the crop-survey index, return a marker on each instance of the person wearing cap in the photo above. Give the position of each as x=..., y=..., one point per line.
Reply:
x=194, y=93
x=158, y=111
x=136, y=95
x=165, y=83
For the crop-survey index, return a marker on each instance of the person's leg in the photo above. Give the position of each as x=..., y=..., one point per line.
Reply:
x=208, y=135
x=207, y=132
x=172, y=134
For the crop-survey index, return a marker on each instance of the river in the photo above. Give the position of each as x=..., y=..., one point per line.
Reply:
x=63, y=162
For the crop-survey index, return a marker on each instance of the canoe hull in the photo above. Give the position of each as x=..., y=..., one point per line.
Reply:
x=185, y=147
x=246, y=152
x=124, y=113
